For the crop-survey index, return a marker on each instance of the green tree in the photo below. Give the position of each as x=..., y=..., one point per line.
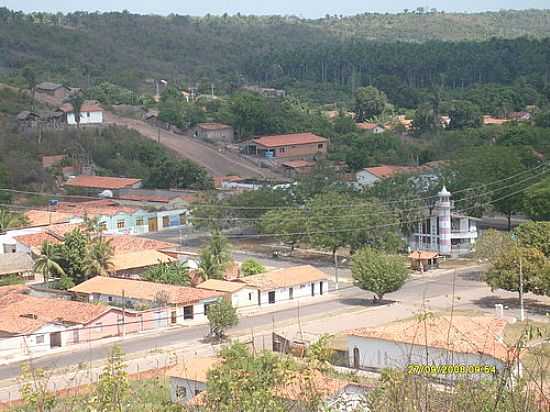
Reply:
x=47, y=262
x=369, y=102
x=423, y=121
x=34, y=388
x=76, y=100
x=30, y=79
x=252, y=267
x=113, y=388
x=536, y=201
x=99, y=256
x=10, y=220
x=491, y=244
x=220, y=250
x=377, y=272
x=464, y=114
x=172, y=273
x=208, y=267
x=288, y=225
x=543, y=119
x=74, y=255
x=535, y=235
x=221, y=316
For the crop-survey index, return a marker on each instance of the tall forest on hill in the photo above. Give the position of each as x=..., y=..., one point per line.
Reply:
x=325, y=59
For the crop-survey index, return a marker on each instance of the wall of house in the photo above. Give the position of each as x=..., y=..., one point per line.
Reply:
x=183, y=390
x=300, y=291
x=305, y=151
x=130, y=223
x=86, y=118
x=199, y=314
x=379, y=353
x=245, y=297
x=365, y=178
x=172, y=217
x=7, y=240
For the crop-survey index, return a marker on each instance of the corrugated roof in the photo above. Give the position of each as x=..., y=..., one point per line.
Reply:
x=463, y=334
x=48, y=86
x=286, y=277
x=296, y=164
x=139, y=259
x=101, y=182
x=213, y=126
x=15, y=263
x=138, y=289
x=193, y=369
x=289, y=139
x=221, y=285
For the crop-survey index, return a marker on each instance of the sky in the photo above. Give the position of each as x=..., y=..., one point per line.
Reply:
x=304, y=8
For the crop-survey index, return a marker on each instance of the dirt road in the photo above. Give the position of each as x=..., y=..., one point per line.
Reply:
x=215, y=162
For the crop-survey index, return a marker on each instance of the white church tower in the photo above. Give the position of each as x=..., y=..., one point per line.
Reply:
x=444, y=213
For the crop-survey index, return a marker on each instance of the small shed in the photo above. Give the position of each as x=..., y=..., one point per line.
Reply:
x=423, y=260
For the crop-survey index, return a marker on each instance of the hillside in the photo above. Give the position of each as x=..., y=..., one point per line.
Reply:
x=416, y=50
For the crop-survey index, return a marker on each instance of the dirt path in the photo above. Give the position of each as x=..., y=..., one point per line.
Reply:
x=215, y=162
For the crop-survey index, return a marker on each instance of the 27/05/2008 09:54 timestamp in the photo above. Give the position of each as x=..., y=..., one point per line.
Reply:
x=456, y=369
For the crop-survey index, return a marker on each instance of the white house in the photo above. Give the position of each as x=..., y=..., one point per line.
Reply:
x=449, y=234
x=188, y=378
x=90, y=113
x=186, y=304
x=462, y=342
x=370, y=175
x=284, y=285
x=241, y=294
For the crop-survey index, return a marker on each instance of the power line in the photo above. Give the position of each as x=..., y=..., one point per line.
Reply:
x=288, y=207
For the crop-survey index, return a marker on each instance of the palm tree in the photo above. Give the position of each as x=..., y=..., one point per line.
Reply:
x=76, y=101
x=47, y=262
x=99, y=258
x=208, y=268
x=9, y=220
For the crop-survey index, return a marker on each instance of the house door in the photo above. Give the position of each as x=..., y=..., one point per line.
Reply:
x=313, y=289
x=259, y=298
x=55, y=340
x=173, y=317
x=290, y=293
x=356, y=360
x=153, y=224
x=76, y=336
x=320, y=288
x=271, y=297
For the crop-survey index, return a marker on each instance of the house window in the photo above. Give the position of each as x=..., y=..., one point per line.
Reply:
x=99, y=327
x=40, y=339
x=320, y=146
x=120, y=224
x=250, y=296
x=88, y=115
x=110, y=298
x=140, y=221
x=181, y=392
x=183, y=219
x=188, y=312
x=206, y=308
x=165, y=221
x=9, y=248
x=197, y=391
x=302, y=286
x=103, y=226
x=282, y=149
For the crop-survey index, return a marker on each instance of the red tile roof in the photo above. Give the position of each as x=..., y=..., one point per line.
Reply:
x=138, y=289
x=87, y=106
x=36, y=239
x=45, y=217
x=289, y=139
x=23, y=313
x=102, y=182
x=367, y=126
x=385, y=171
x=123, y=244
x=464, y=334
x=94, y=208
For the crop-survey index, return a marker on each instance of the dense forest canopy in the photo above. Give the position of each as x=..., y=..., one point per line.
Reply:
x=402, y=54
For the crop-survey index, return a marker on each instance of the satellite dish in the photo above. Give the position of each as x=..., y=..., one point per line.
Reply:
x=106, y=193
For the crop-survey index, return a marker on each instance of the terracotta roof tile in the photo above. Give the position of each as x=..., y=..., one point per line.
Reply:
x=102, y=182
x=296, y=164
x=45, y=217
x=289, y=139
x=48, y=161
x=464, y=334
x=194, y=369
x=36, y=239
x=221, y=285
x=386, y=171
x=286, y=277
x=123, y=244
x=95, y=208
x=87, y=106
x=138, y=289
x=16, y=308
x=423, y=254
x=139, y=259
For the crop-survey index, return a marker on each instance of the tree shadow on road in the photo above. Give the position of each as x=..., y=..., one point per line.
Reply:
x=476, y=276
x=365, y=302
x=531, y=305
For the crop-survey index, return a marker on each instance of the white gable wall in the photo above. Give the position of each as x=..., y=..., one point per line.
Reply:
x=86, y=118
x=183, y=390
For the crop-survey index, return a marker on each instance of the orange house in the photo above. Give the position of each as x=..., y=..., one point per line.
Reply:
x=303, y=146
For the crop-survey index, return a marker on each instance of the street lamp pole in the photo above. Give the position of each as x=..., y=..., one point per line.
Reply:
x=336, y=270
x=520, y=259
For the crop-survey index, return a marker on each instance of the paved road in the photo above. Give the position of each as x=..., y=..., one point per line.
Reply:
x=214, y=161
x=350, y=299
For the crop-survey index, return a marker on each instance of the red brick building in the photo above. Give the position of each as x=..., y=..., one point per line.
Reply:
x=304, y=146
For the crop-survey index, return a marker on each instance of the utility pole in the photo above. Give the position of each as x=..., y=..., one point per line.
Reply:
x=521, y=304
x=123, y=313
x=336, y=270
x=158, y=135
